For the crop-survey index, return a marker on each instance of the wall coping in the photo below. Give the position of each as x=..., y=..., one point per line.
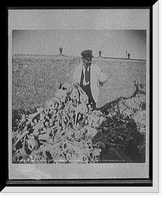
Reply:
x=71, y=57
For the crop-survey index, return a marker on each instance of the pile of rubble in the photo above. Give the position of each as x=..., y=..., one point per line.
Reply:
x=122, y=135
x=61, y=132
x=68, y=130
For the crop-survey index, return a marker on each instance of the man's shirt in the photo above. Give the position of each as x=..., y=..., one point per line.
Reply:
x=94, y=74
x=86, y=75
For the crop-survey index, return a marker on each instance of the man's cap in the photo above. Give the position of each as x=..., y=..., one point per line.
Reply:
x=87, y=53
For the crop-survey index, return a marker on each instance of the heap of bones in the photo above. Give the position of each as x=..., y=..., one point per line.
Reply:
x=68, y=130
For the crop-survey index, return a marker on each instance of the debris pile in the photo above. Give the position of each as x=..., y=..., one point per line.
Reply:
x=61, y=132
x=68, y=130
x=122, y=135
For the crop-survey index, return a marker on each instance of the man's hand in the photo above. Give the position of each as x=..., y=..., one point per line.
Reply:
x=103, y=78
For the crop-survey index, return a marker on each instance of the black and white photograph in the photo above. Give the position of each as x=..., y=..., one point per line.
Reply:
x=80, y=96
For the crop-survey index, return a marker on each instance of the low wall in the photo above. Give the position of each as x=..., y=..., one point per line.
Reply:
x=36, y=78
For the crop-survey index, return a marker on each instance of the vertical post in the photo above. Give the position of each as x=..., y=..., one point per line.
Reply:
x=100, y=52
x=60, y=50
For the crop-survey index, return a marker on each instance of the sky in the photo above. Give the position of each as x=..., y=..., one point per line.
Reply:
x=112, y=43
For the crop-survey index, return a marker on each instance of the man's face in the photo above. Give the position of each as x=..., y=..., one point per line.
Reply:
x=87, y=61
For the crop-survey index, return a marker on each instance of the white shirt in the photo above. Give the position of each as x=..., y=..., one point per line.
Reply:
x=84, y=81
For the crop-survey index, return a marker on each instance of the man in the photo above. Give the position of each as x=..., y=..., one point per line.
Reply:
x=88, y=76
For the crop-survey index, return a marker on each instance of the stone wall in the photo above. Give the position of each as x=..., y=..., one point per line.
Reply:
x=36, y=78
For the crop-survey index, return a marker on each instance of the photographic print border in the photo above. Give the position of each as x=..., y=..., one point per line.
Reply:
x=140, y=182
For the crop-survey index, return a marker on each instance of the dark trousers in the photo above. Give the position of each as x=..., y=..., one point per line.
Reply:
x=87, y=89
